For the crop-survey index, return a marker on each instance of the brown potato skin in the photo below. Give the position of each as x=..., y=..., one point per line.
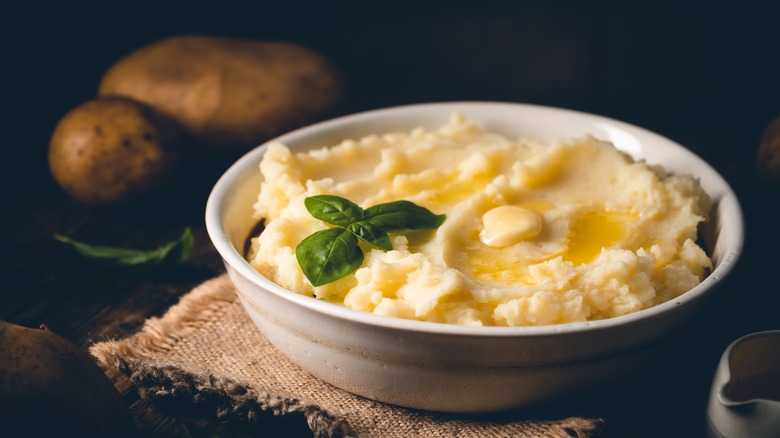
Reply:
x=112, y=151
x=51, y=388
x=768, y=159
x=227, y=94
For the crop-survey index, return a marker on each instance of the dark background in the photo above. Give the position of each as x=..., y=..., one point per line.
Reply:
x=704, y=75
x=684, y=70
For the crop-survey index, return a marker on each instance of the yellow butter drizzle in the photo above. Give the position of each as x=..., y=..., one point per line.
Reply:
x=492, y=265
x=490, y=269
x=592, y=232
x=455, y=189
x=540, y=206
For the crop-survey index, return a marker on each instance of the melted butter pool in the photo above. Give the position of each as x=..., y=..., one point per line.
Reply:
x=592, y=232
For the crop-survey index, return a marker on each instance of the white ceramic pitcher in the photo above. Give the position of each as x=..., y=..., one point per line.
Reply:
x=745, y=396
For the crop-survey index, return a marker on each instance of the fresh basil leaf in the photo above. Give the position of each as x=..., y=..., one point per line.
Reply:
x=170, y=253
x=334, y=210
x=331, y=254
x=400, y=216
x=371, y=233
x=328, y=255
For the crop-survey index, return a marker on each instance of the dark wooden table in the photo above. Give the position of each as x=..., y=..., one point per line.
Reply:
x=704, y=78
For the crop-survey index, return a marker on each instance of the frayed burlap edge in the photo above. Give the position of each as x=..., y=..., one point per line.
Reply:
x=230, y=399
x=208, y=302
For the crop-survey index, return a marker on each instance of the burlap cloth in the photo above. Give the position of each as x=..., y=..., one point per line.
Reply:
x=206, y=351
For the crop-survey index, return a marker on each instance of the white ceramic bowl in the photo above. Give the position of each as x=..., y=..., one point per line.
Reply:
x=454, y=368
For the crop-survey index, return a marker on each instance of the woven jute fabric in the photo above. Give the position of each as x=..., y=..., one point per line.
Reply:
x=206, y=351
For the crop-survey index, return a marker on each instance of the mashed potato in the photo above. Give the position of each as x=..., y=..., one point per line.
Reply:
x=535, y=233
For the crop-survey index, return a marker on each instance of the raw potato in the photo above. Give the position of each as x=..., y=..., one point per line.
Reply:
x=228, y=95
x=50, y=387
x=769, y=153
x=113, y=151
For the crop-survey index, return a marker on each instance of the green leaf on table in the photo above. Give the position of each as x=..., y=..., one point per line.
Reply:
x=328, y=255
x=170, y=253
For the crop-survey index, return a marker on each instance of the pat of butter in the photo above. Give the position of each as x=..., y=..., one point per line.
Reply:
x=509, y=224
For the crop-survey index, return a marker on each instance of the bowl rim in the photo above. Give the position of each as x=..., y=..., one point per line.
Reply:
x=250, y=160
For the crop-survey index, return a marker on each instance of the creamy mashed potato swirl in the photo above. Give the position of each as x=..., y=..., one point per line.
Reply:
x=535, y=233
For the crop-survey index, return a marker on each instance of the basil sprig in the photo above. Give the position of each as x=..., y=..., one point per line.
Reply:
x=331, y=254
x=172, y=252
